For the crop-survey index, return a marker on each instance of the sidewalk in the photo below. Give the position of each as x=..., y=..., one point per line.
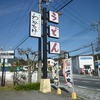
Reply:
x=32, y=95
x=37, y=95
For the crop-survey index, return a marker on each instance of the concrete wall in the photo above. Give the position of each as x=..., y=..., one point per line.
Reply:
x=9, y=76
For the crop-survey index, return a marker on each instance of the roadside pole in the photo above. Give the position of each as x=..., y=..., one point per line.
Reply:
x=3, y=74
x=39, y=47
x=44, y=44
x=45, y=85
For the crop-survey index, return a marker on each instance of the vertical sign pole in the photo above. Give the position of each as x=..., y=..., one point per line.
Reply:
x=43, y=84
x=3, y=76
x=39, y=59
x=39, y=47
x=44, y=44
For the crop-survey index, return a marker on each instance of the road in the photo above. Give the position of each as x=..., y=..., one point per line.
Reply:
x=85, y=86
x=85, y=82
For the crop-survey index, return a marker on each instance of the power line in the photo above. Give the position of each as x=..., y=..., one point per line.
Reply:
x=80, y=16
x=80, y=48
x=11, y=22
x=84, y=47
x=71, y=19
x=25, y=38
x=11, y=27
x=21, y=42
x=76, y=35
x=64, y=5
x=22, y=18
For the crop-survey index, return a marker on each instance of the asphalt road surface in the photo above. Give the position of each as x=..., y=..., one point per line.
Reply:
x=86, y=87
x=85, y=82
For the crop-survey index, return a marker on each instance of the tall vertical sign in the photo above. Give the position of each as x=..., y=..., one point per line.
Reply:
x=67, y=71
x=35, y=24
x=54, y=47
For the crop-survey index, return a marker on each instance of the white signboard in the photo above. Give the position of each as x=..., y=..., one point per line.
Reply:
x=53, y=17
x=54, y=31
x=35, y=24
x=54, y=47
x=67, y=70
x=6, y=54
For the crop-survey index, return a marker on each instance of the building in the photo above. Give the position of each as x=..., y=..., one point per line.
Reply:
x=83, y=64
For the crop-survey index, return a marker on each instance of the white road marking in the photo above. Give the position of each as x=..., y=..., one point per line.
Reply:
x=86, y=81
x=97, y=82
x=82, y=87
x=98, y=89
x=88, y=88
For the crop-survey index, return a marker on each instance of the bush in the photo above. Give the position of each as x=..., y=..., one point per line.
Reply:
x=28, y=87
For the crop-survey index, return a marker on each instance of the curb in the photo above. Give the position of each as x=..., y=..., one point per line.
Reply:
x=65, y=91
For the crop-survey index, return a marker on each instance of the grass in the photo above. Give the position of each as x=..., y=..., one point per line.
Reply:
x=26, y=87
x=7, y=88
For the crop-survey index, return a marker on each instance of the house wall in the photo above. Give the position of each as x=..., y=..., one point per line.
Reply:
x=86, y=60
x=82, y=63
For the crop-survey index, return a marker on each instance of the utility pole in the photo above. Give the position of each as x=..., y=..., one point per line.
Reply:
x=39, y=47
x=45, y=85
x=96, y=26
x=92, y=48
x=98, y=31
x=93, y=55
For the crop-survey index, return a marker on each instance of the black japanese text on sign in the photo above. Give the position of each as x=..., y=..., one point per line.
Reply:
x=35, y=24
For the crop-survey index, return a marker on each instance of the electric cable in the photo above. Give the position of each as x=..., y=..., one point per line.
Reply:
x=76, y=35
x=11, y=27
x=26, y=37
x=22, y=19
x=21, y=42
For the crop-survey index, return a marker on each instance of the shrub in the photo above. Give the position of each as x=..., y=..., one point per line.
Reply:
x=28, y=87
